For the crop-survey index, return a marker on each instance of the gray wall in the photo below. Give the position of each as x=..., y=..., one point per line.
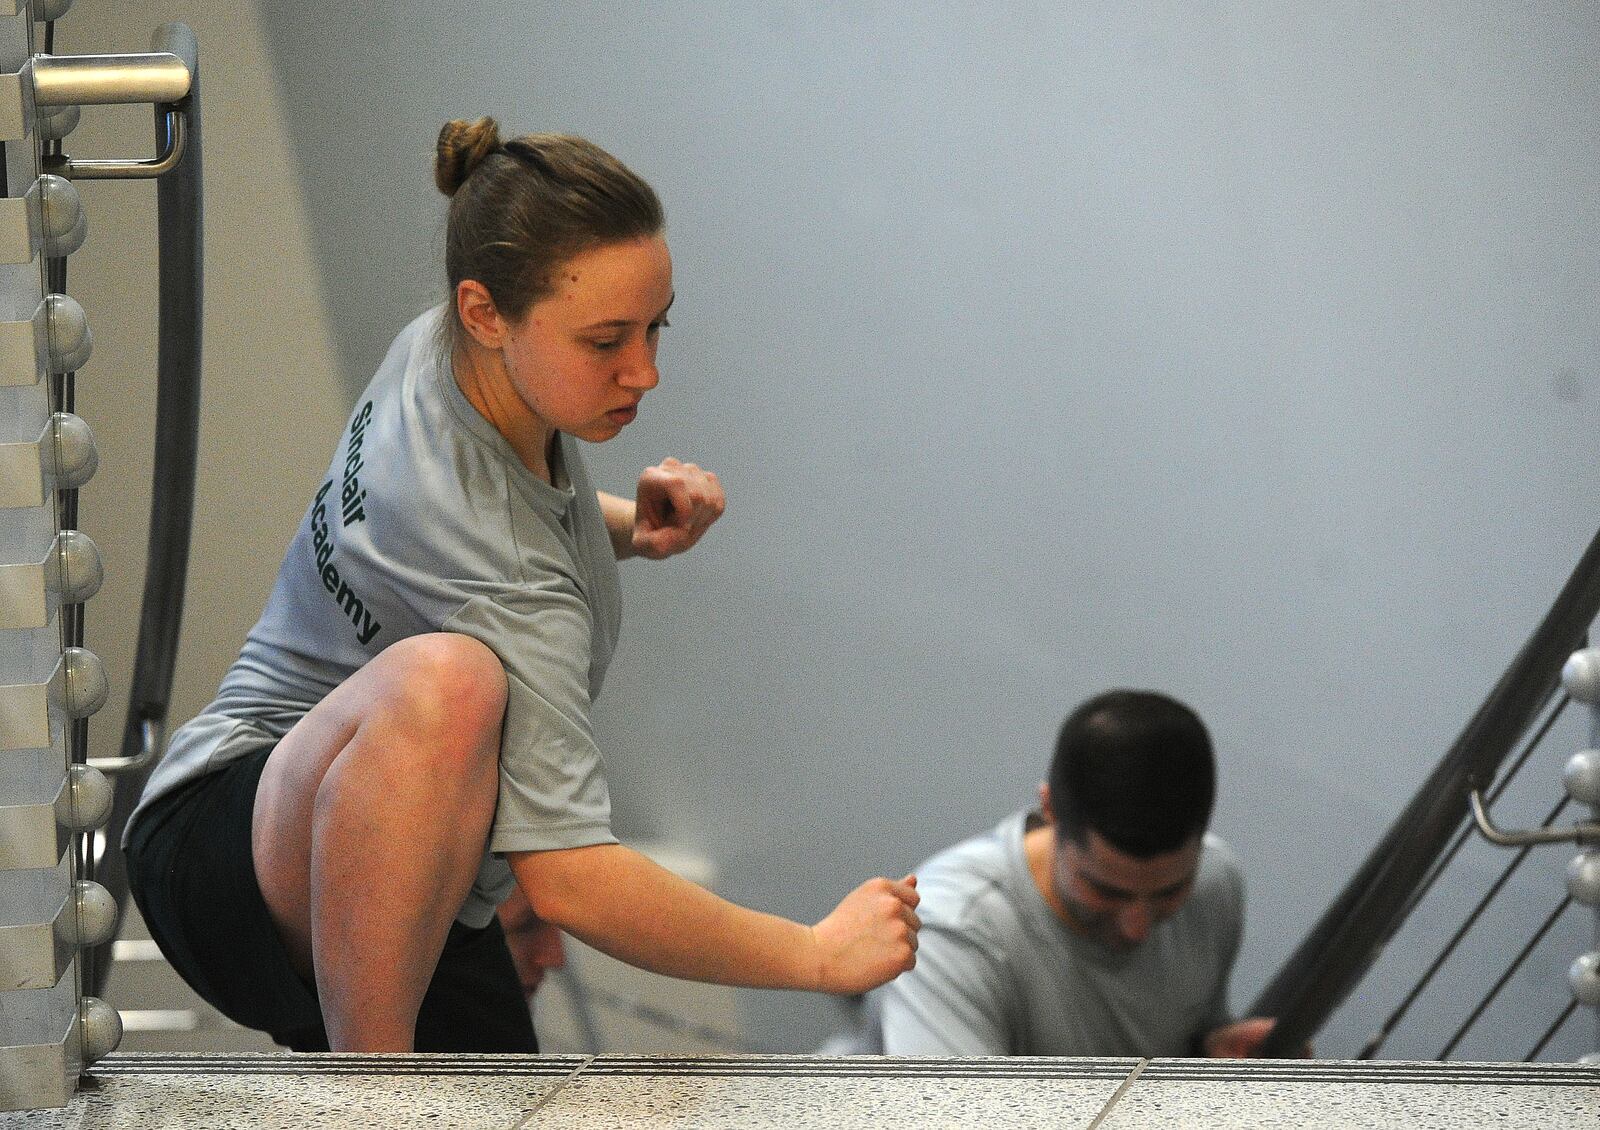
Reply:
x=1243, y=350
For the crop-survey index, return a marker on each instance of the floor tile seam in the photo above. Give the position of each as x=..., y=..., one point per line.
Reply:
x=553, y=1092
x=1266, y=1077
x=207, y=1063
x=354, y=1069
x=864, y=1072
x=1336, y=1073
x=1116, y=1096
x=608, y=1058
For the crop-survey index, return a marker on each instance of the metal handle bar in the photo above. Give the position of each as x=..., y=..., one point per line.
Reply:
x=161, y=77
x=164, y=76
x=1583, y=834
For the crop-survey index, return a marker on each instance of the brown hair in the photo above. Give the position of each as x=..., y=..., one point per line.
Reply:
x=521, y=208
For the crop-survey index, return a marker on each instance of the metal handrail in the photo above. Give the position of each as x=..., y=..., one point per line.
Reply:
x=180, y=227
x=1346, y=940
x=164, y=77
x=1508, y=775
x=179, y=237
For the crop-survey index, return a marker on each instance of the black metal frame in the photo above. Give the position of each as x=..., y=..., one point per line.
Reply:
x=1351, y=933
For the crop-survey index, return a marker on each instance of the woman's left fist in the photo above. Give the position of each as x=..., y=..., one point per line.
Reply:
x=676, y=503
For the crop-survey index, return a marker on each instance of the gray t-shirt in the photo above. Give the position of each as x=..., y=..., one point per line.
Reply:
x=428, y=521
x=999, y=974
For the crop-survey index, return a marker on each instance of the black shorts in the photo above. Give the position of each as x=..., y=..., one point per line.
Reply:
x=192, y=874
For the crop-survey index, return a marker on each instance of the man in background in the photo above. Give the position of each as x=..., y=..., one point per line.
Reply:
x=1105, y=923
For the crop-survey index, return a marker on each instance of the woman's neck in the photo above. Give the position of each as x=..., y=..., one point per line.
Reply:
x=481, y=375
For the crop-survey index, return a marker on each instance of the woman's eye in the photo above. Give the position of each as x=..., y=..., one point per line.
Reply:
x=609, y=343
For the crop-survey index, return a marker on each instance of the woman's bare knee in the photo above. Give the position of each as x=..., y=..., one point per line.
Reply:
x=427, y=709
x=446, y=687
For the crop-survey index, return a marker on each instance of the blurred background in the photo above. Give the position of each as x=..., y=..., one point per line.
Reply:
x=1247, y=351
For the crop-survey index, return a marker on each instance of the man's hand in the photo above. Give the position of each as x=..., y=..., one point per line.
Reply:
x=1242, y=1039
x=870, y=938
x=676, y=504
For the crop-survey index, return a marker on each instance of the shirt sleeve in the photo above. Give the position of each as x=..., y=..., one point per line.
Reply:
x=1231, y=932
x=952, y=1003
x=552, y=781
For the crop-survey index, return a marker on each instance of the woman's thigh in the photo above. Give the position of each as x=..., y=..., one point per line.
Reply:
x=194, y=881
x=193, y=878
x=421, y=719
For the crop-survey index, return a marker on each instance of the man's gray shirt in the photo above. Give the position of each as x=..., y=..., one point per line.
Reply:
x=428, y=521
x=998, y=973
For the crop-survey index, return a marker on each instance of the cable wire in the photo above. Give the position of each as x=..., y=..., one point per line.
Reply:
x=1456, y=939
x=1515, y=965
x=1566, y=1014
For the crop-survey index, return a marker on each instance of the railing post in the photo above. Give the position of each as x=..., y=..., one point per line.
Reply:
x=48, y=911
x=1581, y=675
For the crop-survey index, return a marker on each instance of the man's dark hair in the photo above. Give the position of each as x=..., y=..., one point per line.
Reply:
x=1136, y=767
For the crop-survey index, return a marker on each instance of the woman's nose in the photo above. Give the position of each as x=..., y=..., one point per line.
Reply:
x=639, y=371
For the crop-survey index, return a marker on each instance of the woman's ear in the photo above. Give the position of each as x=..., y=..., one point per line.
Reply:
x=479, y=315
x=1044, y=804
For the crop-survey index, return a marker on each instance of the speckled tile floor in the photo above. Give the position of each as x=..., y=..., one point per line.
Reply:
x=744, y=1094
x=307, y=1092
x=1312, y=1095
x=262, y=1092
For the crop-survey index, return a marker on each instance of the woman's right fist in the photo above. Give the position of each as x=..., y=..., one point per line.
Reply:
x=870, y=938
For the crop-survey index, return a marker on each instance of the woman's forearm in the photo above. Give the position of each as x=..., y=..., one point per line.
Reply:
x=623, y=904
x=618, y=514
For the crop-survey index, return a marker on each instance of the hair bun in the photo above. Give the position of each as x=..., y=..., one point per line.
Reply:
x=462, y=147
